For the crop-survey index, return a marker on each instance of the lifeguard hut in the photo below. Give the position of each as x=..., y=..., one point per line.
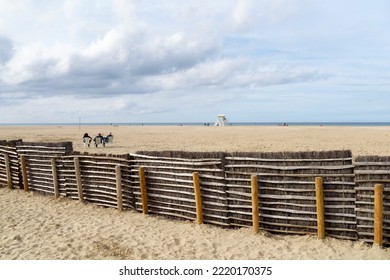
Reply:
x=221, y=120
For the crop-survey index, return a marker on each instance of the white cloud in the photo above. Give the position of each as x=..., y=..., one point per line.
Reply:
x=36, y=61
x=235, y=73
x=69, y=7
x=114, y=46
x=120, y=57
x=242, y=14
x=125, y=10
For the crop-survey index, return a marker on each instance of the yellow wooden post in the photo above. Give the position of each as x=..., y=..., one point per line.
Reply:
x=198, y=198
x=144, y=195
x=23, y=163
x=55, y=177
x=255, y=203
x=78, y=178
x=118, y=175
x=378, y=214
x=320, y=208
x=8, y=171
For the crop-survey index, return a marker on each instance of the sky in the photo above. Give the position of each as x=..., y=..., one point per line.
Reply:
x=124, y=61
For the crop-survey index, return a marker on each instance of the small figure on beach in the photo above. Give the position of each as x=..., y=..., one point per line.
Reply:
x=108, y=139
x=98, y=140
x=87, y=140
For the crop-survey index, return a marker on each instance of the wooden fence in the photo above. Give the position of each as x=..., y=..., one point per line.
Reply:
x=287, y=197
x=96, y=179
x=371, y=170
x=170, y=186
x=165, y=183
x=10, y=175
x=36, y=163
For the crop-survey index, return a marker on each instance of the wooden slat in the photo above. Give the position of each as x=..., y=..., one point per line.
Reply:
x=137, y=156
x=287, y=160
x=267, y=174
x=361, y=163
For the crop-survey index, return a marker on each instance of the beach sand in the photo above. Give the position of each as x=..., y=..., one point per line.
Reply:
x=42, y=227
x=361, y=140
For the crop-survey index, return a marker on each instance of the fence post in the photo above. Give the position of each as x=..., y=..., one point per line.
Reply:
x=378, y=214
x=320, y=208
x=55, y=177
x=78, y=178
x=8, y=170
x=255, y=203
x=198, y=198
x=23, y=163
x=118, y=175
x=144, y=195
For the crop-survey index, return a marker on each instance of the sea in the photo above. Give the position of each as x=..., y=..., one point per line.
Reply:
x=206, y=124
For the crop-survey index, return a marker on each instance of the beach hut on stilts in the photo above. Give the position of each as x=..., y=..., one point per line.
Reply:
x=221, y=120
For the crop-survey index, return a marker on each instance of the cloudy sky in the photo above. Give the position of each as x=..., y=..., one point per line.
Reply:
x=187, y=61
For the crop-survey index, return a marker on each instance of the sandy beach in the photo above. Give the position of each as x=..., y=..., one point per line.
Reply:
x=361, y=140
x=41, y=227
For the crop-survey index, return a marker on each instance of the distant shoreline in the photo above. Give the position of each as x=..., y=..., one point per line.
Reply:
x=207, y=124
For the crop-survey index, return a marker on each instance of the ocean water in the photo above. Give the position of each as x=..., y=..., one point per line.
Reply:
x=209, y=123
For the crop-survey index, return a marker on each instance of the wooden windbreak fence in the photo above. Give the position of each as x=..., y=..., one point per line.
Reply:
x=369, y=171
x=287, y=196
x=100, y=179
x=36, y=164
x=10, y=175
x=217, y=188
x=54, y=169
x=170, y=184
